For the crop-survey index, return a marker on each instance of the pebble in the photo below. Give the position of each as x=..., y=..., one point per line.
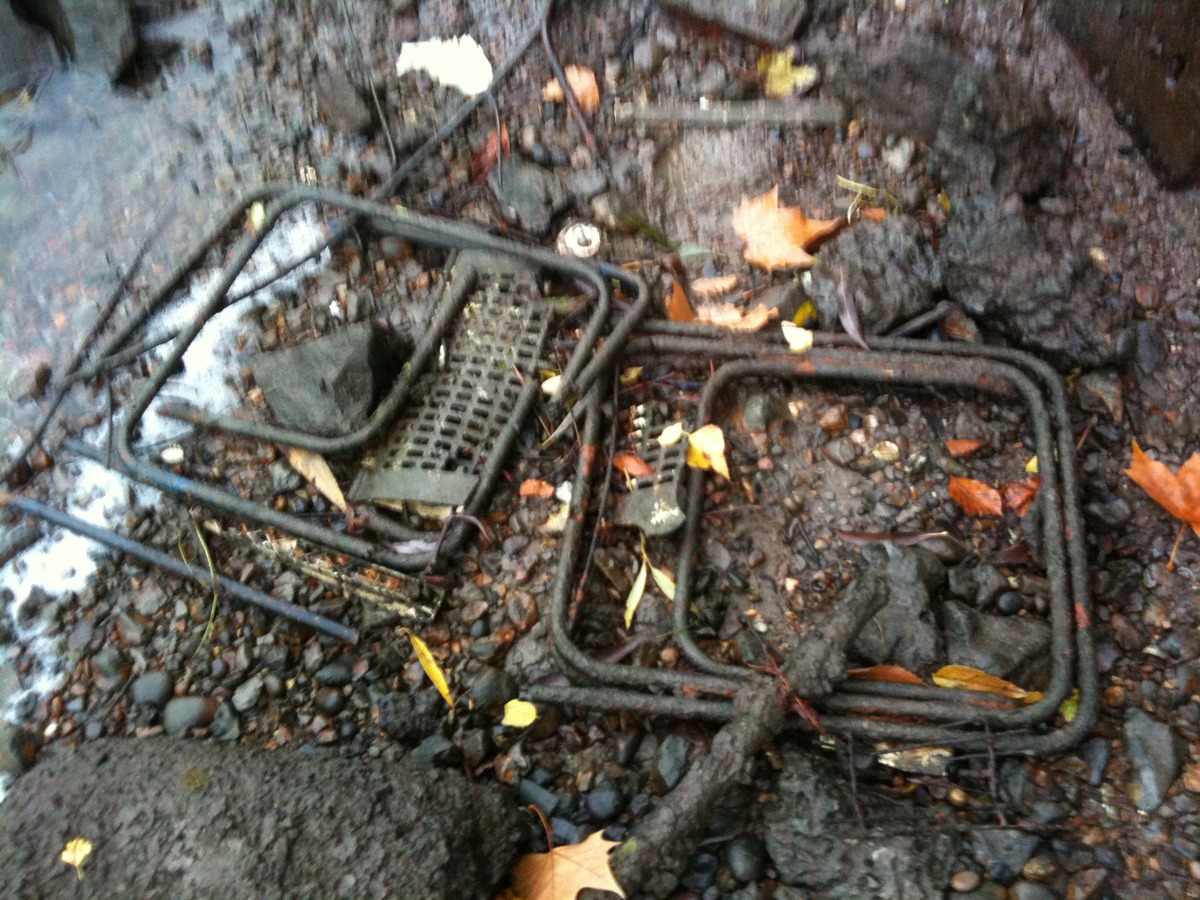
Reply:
x=245, y=698
x=111, y=667
x=565, y=832
x=336, y=674
x=29, y=382
x=492, y=688
x=1010, y=603
x=964, y=881
x=529, y=791
x=1154, y=754
x=1003, y=852
x=330, y=700
x=436, y=751
x=93, y=730
x=747, y=858
x=605, y=802
x=182, y=714
x=153, y=689
x=672, y=759
x=226, y=725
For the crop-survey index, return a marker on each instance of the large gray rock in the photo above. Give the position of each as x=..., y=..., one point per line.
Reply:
x=201, y=819
x=529, y=195
x=813, y=847
x=330, y=385
x=905, y=632
x=96, y=35
x=1156, y=754
x=1008, y=647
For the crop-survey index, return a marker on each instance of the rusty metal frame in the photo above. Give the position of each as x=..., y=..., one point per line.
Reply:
x=952, y=718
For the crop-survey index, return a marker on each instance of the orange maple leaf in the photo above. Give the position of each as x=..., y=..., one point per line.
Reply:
x=565, y=871
x=779, y=237
x=583, y=83
x=1176, y=492
x=975, y=497
x=628, y=464
x=1019, y=495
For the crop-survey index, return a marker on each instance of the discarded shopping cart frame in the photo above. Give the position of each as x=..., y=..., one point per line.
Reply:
x=591, y=357
x=867, y=709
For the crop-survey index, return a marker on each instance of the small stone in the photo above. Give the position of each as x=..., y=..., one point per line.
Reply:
x=153, y=689
x=1027, y=890
x=149, y=599
x=183, y=714
x=245, y=698
x=111, y=668
x=964, y=881
x=899, y=156
x=81, y=635
x=336, y=674
x=492, y=689
x=29, y=382
x=93, y=730
x=841, y=451
x=672, y=759
x=1155, y=754
x=529, y=791
x=330, y=700
x=226, y=725
x=605, y=802
x=834, y=419
x=1010, y=603
x=1039, y=868
x=747, y=858
x=436, y=751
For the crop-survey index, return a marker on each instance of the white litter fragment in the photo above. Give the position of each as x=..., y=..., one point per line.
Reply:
x=458, y=62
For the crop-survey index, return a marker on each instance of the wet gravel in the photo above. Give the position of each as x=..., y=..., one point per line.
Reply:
x=143, y=653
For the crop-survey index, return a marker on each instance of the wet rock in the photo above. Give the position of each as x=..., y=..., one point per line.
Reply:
x=111, y=668
x=150, y=598
x=29, y=382
x=1009, y=647
x=436, y=751
x=605, y=802
x=330, y=701
x=245, y=698
x=891, y=274
x=701, y=872
x=226, y=725
x=1028, y=890
x=586, y=184
x=340, y=105
x=565, y=832
x=672, y=759
x=18, y=748
x=336, y=674
x=809, y=853
x=1101, y=391
x=1095, y=753
x=331, y=384
x=1003, y=851
x=81, y=635
x=409, y=716
x=1156, y=754
x=529, y=195
x=1031, y=287
x=492, y=688
x=529, y=791
x=747, y=858
x=965, y=881
x=153, y=689
x=905, y=631
x=182, y=714
x=428, y=834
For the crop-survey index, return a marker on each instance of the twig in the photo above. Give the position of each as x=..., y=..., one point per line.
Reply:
x=216, y=596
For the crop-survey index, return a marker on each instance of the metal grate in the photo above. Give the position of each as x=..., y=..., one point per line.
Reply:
x=436, y=452
x=654, y=501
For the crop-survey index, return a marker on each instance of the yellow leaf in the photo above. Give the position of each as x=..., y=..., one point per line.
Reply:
x=429, y=664
x=799, y=340
x=671, y=435
x=76, y=851
x=806, y=315
x=635, y=595
x=1031, y=467
x=706, y=450
x=565, y=871
x=782, y=77
x=519, y=714
x=317, y=472
x=1070, y=706
x=631, y=375
x=964, y=678
x=665, y=582
x=256, y=217
x=551, y=385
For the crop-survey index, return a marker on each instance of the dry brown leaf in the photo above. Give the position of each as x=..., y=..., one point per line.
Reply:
x=1176, y=492
x=317, y=472
x=874, y=214
x=964, y=678
x=964, y=447
x=706, y=450
x=715, y=286
x=733, y=318
x=583, y=83
x=1019, y=495
x=533, y=487
x=975, y=497
x=678, y=308
x=565, y=871
x=890, y=674
x=779, y=237
x=628, y=464
x=485, y=158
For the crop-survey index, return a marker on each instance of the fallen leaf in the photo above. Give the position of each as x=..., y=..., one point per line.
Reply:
x=732, y=318
x=195, y=778
x=779, y=237
x=533, y=487
x=671, y=435
x=429, y=664
x=519, y=714
x=1031, y=467
x=964, y=678
x=874, y=214
x=583, y=83
x=890, y=674
x=848, y=312
x=713, y=287
x=565, y=871
x=782, y=77
x=631, y=466
x=551, y=385
x=459, y=62
x=631, y=375
x=975, y=497
x=665, y=582
x=799, y=340
x=484, y=159
x=255, y=218
x=1176, y=492
x=636, y=591
x=678, y=307
x=317, y=472
x=964, y=447
x=1019, y=495
x=76, y=851
x=1070, y=706
x=933, y=761
x=706, y=450
x=807, y=315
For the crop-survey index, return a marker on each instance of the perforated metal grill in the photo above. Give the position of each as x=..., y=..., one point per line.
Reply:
x=436, y=452
x=653, y=501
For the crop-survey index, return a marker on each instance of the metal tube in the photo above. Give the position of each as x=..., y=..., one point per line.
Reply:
x=157, y=558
